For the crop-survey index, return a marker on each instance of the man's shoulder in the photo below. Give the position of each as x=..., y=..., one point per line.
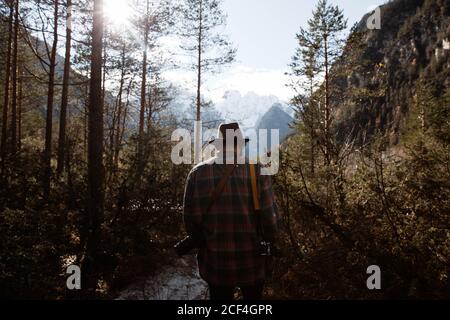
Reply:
x=202, y=166
x=215, y=161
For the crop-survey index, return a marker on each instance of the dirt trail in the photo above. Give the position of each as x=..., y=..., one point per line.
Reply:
x=179, y=281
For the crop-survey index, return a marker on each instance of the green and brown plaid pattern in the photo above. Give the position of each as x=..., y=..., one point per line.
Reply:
x=230, y=256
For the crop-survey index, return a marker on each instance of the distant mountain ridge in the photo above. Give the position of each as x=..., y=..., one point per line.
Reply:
x=276, y=118
x=247, y=109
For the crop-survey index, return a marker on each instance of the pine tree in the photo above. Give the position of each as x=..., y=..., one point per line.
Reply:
x=210, y=49
x=122, y=62
x=95, y=200
x=326, y=41
x=305, y=81
x=50, y=100
x=154, y=22
x=14, y=72
x=65, y=90
x=6, y=87
x=148, y=19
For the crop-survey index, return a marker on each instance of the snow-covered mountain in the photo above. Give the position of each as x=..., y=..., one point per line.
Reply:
x=275, y=118
x=250, y=110
x=246, y=109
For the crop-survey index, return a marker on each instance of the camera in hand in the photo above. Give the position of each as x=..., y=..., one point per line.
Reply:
x=268, y=249
x=265, y=248
x=189, y=243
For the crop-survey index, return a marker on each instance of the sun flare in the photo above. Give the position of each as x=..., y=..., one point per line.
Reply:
x=117, y=12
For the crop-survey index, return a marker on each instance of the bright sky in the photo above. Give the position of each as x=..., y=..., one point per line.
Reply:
x=264, y=33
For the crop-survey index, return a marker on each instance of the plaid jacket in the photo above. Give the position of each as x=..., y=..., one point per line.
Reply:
x=230, y=256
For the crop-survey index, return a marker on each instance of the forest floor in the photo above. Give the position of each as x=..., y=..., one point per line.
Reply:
x=178, y=281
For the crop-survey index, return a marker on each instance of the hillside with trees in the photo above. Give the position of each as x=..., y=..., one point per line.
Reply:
x=366, y=178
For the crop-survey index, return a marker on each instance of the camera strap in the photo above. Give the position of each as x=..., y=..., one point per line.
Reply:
x=255, y=196
x=219, y=188
x=256, y=203
x=255, y=193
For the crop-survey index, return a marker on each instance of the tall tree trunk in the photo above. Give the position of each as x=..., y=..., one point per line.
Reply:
x=140, y=146
x=6, y=89
x=14, y=79
x=312, y=127
x=108, y=107
x=198, y=136
x=152, y=97
x=19, y=109
x=144, y=77
x=50, y=98
x=105, y=57
x=116, y=116
x=96, y=175
x=68, y=167
x=65, y=92
x=112, y=135
x=115, y=149
x=121, y=127
x=313, y=150
x=125, y=114
x=199, y=83
x=327, y=106
x=85, y=125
